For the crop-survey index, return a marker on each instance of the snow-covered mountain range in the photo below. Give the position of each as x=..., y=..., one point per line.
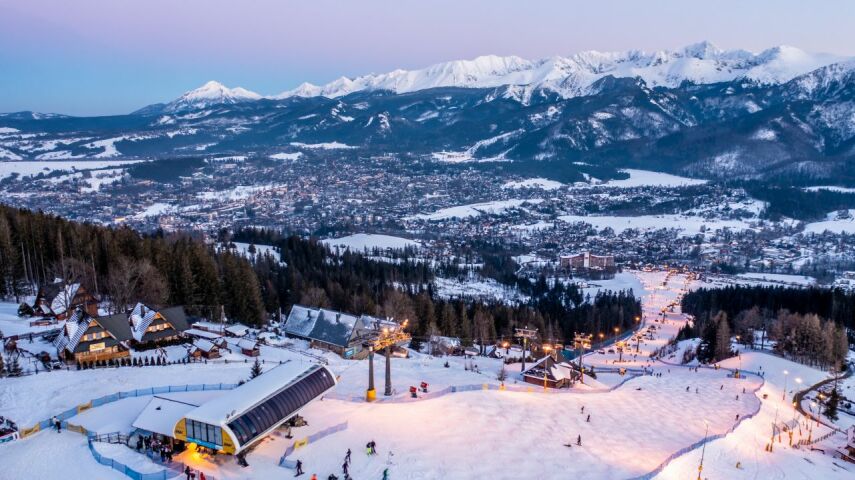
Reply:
x=568, y=77
x=698, y=111
x=572, y=76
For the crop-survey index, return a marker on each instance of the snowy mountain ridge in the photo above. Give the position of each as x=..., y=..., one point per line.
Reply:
x=571, y=76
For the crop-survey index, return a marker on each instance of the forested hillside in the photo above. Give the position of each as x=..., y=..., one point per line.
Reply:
x=125, y=267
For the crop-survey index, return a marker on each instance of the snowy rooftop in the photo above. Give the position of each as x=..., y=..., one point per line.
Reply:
x=321, y=324
x=161, y=414
x=236, y=402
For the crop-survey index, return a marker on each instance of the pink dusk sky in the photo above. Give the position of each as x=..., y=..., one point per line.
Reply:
x=97, y=57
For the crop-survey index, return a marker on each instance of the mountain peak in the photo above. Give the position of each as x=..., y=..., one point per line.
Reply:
x=209, y=94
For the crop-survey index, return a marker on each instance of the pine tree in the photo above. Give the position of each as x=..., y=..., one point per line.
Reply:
x=255, y=371
x=831, y=405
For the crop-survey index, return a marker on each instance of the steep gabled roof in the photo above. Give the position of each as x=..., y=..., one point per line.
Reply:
x=328, y=326
x=177, y=317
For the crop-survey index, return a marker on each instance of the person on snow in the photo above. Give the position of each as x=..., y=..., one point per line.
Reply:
x=314, y=476
x=187, y=472
x=299, y=468
x=589, y=418
x=385, y=474
x=579, y=440
x=347, y=457
x=201, y=475
x=55, y=422
x=583, y=409
x=139, y=444
x=344, y=468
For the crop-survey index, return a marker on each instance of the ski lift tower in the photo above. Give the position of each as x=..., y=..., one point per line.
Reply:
x=526, y=334
x=383, y=339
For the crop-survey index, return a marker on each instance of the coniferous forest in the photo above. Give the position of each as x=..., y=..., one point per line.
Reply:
x=807, y=325
x=124, y=266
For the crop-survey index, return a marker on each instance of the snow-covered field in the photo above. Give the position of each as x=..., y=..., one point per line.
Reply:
x=541, y=183
x=687, y=225
x=368, y=241
x=27, y=168
x=834, y=223
x=646, y=178
x=475, y=209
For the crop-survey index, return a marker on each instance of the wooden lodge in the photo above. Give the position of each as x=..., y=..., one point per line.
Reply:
x=60, y=300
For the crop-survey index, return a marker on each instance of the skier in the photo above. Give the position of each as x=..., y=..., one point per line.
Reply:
x=344, y=468
x=583, y=409
x=579, y=440
x=737, y=417
x=687, y=389
x=347, y=457
x=55, y=422
x=385, y=474
x=589, y=418
x=299, y=468
x=722, y=387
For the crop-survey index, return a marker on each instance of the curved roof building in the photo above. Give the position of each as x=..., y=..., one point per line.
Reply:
x=240, y=417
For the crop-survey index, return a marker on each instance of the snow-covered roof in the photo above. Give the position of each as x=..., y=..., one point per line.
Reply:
x=237, y=329
x=210, y=326
x=321, y=324
x=60, y=303
x=243, y=398
x=161, y=414
x=141, y=317
x=246, y=344
x=195, y=332
x=203, y=345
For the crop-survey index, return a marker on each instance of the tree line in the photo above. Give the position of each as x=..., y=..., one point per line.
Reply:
x=805, y=325
x=212, y=280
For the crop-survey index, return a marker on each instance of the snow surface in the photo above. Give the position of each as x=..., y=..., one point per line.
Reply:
x=475, y=209
x=687, y=225
x=834, y=223
x=475, y=434
x=27, y=168
x=323, y=146
x=287, y=156
x=646, y=178
x=541, y=183
x=830, y=188
x=368, y=241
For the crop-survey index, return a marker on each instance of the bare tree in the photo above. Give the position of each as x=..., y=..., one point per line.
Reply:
x=315, y=297
x=131, y=281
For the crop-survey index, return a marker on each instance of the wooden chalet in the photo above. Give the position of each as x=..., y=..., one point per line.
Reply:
x=59, y=300
x=549, y=372
x=204, y=349
x=339, y=332
x=157, y=326
x=249, y=347
x=85, y=338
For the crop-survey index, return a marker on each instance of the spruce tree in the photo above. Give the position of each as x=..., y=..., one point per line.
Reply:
x=255, y=371
x=831, y=405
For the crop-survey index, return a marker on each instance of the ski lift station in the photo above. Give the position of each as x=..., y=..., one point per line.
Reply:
x=233, y=421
